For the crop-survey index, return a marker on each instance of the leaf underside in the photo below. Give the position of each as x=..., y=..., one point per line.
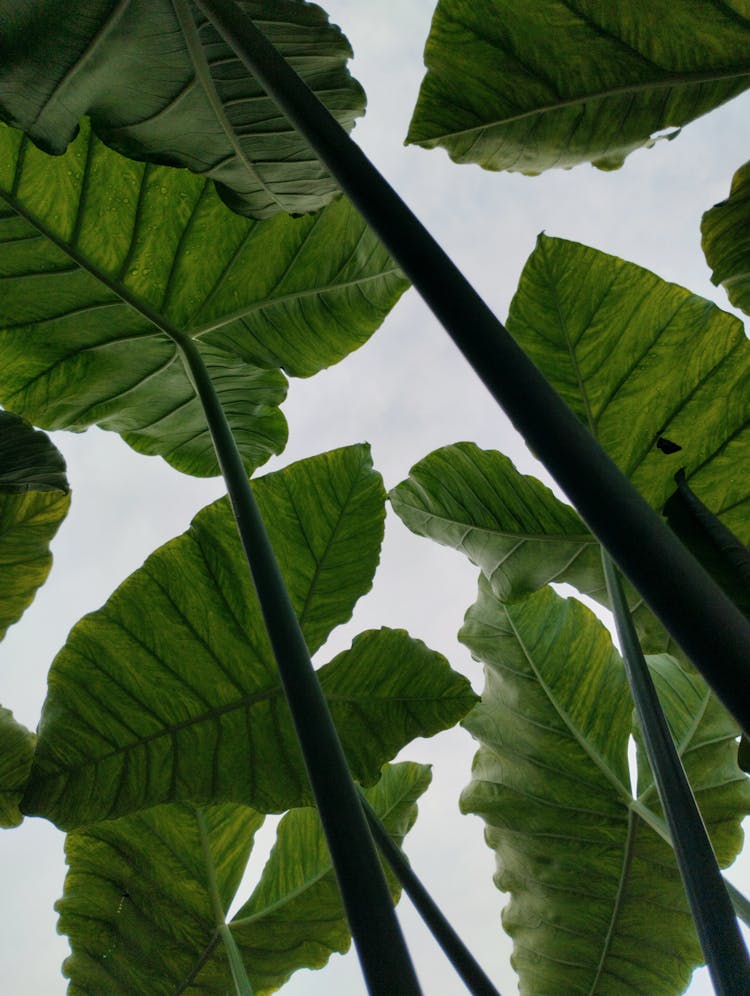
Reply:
x=528, y=87
x=170, y=692
x=726, y=244
x=34, y=499
x=597, y=904
x=128, y=877
x=16, y=752
x=105, y=263
x=161, y=86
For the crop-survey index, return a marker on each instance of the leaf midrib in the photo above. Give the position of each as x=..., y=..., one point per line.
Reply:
x=594, y=755
x=152, y=314
x=682, y=79
x=308, y=884
x=585, y=539
x=203, y=75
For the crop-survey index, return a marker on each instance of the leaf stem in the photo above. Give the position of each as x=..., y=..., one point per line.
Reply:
x=239, y=975
x=718, y=932
x=691, y=606
x=453, y=947
x=385, y=961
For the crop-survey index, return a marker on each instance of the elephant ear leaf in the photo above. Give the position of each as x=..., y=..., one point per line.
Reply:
x=294, y=918
x=725, y=241
x=34, y=499
x=201, y=108
x=611, y=338
x=626, y=348
x=127, y=877
x=510, y=525
x=16, y=753
x=589, y=877
x=107, y=264
x=531, y=86
x=175, y=676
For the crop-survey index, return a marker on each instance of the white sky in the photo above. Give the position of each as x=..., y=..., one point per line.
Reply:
x=407, y=392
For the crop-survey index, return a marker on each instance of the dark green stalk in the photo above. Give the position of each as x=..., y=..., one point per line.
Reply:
x=453, y=947
x=380, y=945
x=715, y=921
x=693, y=609
x=715, y=546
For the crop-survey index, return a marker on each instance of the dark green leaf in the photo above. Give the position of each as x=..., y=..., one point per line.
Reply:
x=144, y=893
x=160, y=85
x=34, y=499
x=726, y=242
x=637, y=359
x=170, y=691
x=597, y=904
x=530, y=86
x=140, y=896
x=16, y=752
x=104, y=262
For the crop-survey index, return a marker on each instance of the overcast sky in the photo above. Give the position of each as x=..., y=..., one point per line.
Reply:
x=407, y=392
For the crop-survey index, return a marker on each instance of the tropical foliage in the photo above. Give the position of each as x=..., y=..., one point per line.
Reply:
x=165, y=738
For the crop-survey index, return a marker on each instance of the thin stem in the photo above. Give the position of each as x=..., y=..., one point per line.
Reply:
x=380, y=945
x=453, y=947
x=718, y=932
x=691, y=606
x=236, y=964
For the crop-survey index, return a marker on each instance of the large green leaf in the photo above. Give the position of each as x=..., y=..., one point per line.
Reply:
x=530, y=86
x=726, y=243
x=170, y=691
x=144, y=893
x=140, y=897
x=104, y=261
x=34, y=499
x=510, y=525
x=597, y=904
x=659, y=375
x=294, y=918
x=16, y=752
x=161, y=85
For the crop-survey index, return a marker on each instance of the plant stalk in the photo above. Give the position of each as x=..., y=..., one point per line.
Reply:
x=237, y=966
x=691, y=606
x=385, y=961
x=715, y=921
x=467, y=967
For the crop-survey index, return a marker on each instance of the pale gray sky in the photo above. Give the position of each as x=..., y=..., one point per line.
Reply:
x=407, y=392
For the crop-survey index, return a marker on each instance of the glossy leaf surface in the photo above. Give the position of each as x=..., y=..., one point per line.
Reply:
x=144, y=893
x=105, y=262
x=34, y=499
x=170, y=691
x=16, y=752
x=597, y=904
x=161, y=85
x=528, y=87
